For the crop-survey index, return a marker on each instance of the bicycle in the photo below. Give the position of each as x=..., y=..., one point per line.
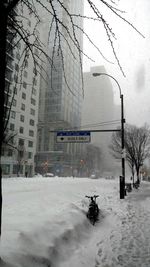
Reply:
x=93, y=210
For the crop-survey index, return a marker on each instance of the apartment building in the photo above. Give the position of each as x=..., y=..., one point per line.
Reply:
x=22, y=85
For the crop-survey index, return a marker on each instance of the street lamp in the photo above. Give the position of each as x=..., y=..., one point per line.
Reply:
x=122, y=178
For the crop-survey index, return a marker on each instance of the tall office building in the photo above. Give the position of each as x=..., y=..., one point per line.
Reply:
x=22, y=89
x=98, y=113
x=61, y=95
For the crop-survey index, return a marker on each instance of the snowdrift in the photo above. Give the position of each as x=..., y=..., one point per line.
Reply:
x=44, y=220
x=51, y=243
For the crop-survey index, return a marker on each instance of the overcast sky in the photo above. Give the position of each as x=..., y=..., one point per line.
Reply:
x=133, y=52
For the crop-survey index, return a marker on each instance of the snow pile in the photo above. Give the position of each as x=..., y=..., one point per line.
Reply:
x=48, y=244
x=45, y=224
x=44, y=219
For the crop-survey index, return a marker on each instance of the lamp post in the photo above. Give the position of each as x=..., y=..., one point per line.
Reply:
x=122, y=178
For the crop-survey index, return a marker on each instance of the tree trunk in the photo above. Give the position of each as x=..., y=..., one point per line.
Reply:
x=137, y=173
x=3, y=36
x=133, y=175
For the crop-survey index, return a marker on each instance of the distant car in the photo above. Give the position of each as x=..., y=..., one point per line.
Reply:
x=93, y=176
x=49, y=174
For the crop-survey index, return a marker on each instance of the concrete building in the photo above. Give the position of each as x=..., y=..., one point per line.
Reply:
x=60, y=96
x=98, y=113
x=22, y=86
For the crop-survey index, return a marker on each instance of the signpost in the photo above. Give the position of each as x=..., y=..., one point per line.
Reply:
x=73, y=137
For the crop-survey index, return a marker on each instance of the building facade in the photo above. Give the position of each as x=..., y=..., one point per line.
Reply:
x=22, y=86
x=98, y=113
x=61, y=96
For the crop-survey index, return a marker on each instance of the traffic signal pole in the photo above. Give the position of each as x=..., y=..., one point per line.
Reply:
x=122, y=178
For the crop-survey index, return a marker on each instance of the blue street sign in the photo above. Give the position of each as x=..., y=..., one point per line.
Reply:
x=73, y=137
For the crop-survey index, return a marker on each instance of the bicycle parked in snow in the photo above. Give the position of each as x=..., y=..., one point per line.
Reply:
x=93, y=210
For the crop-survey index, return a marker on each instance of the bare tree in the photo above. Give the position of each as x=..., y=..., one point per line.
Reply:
x=137, y=145
x=12, y=26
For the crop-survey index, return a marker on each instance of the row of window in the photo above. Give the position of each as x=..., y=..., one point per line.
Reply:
x=25, y=74
x=21, y=129
x=33, y=101
x=31, y=122
x=22, y=118
x=6, y=168
x=24, y=84
x=13, y=113
x=21, y=143
x=9, y=153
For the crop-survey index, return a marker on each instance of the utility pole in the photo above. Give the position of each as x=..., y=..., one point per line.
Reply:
x=122, y=178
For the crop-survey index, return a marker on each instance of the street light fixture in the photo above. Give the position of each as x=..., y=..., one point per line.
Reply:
x=122, y=178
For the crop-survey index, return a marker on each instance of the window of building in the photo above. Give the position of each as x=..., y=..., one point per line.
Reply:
x=34, y=81
x=9, y=104
x=21, y=142
x=22, y=118
x=31, y=133
x=20, y=154
x=15, y=78
x=14, y=103
x=7, y=86
x=18, y=45
x=33, y=102
x=24, y=85
x=8, y=74
x=23, y=96
x=36, y=51
x=15, y=169
x=33, y=91
x=21, y=130
x=12, y=127
x=5, y=169
x=15, y=90
x=17, y=56
x=22, y=106
x=32, y=111
x=13, y=114
x=16, y=67
x=39, y=143
x=29, y=155
x=32, y=122
x=10, y=152
x=30, y=144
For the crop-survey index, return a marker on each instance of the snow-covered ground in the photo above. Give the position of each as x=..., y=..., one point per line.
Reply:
x=45, y=224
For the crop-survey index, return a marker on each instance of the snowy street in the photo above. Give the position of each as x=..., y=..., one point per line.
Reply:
x=45, y=224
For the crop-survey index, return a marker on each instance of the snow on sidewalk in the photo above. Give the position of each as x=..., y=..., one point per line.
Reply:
x=128, y=243
x=44, y=224
x=122, y=237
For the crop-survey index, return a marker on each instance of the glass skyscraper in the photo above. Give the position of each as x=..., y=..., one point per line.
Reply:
x=61, y=90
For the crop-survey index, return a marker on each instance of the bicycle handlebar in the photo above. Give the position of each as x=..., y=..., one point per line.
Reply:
x=95, y=196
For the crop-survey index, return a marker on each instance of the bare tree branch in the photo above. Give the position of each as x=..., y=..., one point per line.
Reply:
x=137, y=145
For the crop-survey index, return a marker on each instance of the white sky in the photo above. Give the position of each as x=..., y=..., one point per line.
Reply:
x=133, y=52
